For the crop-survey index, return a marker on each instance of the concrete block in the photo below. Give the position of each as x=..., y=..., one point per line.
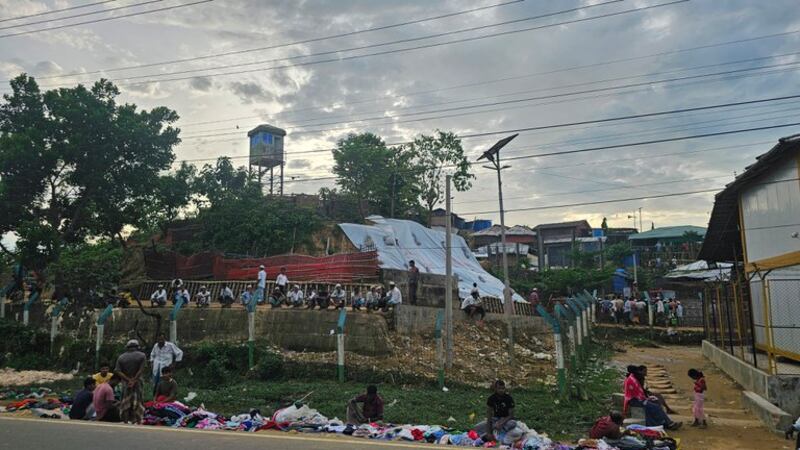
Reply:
x=773, y=417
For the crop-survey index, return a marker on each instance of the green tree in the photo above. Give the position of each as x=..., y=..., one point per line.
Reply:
x=88, y=266
x=435, y=154
x=214, y=184
x=76, y=164
x=374, y=174
x=616, y=253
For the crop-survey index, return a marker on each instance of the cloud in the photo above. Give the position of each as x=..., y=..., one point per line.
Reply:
x=299, y=164
x=251, y=92
x=202, y=84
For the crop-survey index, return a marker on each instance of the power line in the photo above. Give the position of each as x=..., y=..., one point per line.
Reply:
x=286, y=44
x=106, y=19
x=91, y=13
x=401, y=50
x=517, y=77
x=53, y=11
x=518, y=100
x=602, y=120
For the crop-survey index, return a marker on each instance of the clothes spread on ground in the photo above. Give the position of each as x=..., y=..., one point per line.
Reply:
x=301, y=418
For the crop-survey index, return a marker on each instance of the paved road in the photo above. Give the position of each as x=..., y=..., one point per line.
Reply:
x=74, y=435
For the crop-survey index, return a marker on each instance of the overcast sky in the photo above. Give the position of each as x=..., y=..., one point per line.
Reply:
x=218, y=105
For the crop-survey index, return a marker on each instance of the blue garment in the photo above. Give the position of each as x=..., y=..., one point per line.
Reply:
x=82, y=401
x=259, y=295
x=654, y=414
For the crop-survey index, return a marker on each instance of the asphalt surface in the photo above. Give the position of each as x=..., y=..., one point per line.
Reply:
x=78, y=435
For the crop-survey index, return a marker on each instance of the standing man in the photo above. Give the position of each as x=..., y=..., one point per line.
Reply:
x=262, y=284
x=660, y=310
x=533, y=299
x=130, y=368
x=413, y=282
x=282, y=281
x=164, y=354
x=679, y=313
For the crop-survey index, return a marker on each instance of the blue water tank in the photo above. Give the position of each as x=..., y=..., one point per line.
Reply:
x=479, y=224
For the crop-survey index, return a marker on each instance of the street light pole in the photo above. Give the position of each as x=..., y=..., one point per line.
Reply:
x=493, y=155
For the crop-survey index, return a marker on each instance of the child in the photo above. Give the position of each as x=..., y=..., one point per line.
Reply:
x=699, y=398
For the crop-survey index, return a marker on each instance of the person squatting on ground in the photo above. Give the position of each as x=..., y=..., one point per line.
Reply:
x=158, y=297
x=357, y=300
x=608, y=427
x=413, y=282
x=276, y=298
x=166, y=391
x=699, y=398
x=106, y=406
x=82, y=408
x=499, y=414
x=130, y=368
x=636, y=397
x=164, y=354
x=338, y=297
x=372, y=410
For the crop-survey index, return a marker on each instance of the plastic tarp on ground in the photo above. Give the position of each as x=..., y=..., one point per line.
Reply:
x=399, y=241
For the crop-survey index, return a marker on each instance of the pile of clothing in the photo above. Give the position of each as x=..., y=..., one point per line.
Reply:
x=637, y=437
x=40, y=402
x=176, y=414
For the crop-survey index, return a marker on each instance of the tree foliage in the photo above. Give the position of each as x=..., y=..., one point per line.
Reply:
x=88, y=266
x=433, y=156
x=76, y=164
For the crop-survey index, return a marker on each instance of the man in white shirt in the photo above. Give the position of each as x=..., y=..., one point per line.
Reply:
x=394, y=297
x=159, y=296
x=262, y=284
x=282, y=281
x=296, y=297
x=226, y=296
x=338, y=296
x=164, y=354
x=203, y=297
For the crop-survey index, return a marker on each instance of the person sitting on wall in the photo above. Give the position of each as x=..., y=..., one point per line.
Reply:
x=320, y=298
x=472, y=305
x=296, y=297
x=158, y=297
x=276, y=298
x=203, y=297
x=226, y=296
x=338, y=297
x=372, y=299
x=358, y=300
x=393, y=298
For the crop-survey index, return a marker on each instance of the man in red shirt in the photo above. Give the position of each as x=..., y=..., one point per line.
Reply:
x=373, y=407
x=105, y=405
x=608, y=427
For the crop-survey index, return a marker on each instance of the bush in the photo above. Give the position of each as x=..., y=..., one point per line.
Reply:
x=270, y=365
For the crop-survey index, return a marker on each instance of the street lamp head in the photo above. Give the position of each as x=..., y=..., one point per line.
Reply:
x=489, y=154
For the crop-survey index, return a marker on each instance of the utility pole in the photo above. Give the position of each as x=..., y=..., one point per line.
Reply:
x=394, y=182
x=493, y=155
x=641, y=224
x=448, y=292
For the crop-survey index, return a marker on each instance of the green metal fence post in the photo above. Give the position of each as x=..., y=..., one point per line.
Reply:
x=567, y=315
x=57, y=310
x=251, y=333
x=101, y=324
x=560, y=370
x=173, y=320
x=439, y=346
x=340, y=345
x=578, y=311
x=26, y=309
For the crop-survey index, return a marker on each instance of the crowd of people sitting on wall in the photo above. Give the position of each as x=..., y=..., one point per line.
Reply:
x=634, y=310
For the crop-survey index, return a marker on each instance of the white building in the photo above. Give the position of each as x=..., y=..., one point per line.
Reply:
x=756, y=222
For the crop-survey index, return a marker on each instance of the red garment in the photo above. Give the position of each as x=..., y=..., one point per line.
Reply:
x=700, y=385
x=632, y=390
x=473, y=435
x=161, y=399
x=604, y=427
x=418, y=434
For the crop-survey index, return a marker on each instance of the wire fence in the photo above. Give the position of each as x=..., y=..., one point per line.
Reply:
x=757, y=321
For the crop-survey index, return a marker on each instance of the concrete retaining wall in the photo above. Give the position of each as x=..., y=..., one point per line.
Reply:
x=410, y=319
x=431, y=290
x=747, y=376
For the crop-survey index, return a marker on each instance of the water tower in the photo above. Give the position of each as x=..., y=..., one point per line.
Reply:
x=266, y=153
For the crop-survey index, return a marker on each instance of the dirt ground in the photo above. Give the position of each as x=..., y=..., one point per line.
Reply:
x=11, y=377
x=729, y=426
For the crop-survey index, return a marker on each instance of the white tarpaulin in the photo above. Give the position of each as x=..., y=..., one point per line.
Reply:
x=699, y=270
x=399, y=241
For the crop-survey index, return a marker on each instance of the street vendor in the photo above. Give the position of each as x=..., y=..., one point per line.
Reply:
x=130, y=367
x=167, y=389
x=372, y=410
x=608, y=427
x=499, y=413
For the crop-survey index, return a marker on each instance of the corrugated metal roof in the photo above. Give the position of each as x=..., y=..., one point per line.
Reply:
x=723, y=238
x=268, y=128
x=668, y=232
x=573, y=224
